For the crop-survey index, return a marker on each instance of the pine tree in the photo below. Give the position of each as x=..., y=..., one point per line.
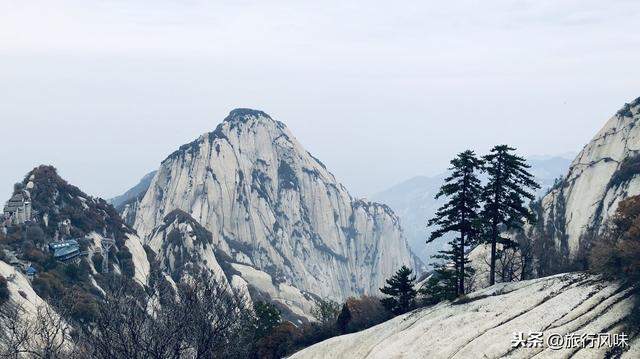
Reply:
x=342, y=323
x=504, y=198
x=267, y=317
x=326, y=312
x=5, y=294
x=442, y=285
x=460, y=214
x=401, y=291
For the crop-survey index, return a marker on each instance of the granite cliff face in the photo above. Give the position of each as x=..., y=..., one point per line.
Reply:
x=272, y=207
x=180, y=244
x=604, y=172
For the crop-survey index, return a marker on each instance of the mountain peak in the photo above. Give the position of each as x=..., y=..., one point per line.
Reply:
x=244, y=114
x=629, y=109
x=236, y=119
x=271, y=205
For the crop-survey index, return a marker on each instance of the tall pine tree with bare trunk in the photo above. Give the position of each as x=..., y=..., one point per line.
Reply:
x=508, y=187
x=460, y=214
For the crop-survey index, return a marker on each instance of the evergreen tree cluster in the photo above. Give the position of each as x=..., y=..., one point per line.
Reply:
x=478, y=213
x=485, y=197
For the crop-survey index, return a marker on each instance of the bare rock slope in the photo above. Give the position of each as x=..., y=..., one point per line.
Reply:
x=483, y=324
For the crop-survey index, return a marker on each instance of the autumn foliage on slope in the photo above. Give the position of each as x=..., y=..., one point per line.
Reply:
x=617, y=254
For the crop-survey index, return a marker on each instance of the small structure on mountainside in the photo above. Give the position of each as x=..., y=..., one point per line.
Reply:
x=106, y=244
x=66, y=250
x=18, y=208
x=31, y=272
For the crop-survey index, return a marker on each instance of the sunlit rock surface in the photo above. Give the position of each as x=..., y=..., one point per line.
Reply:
x=604, y=172
x=272, y=206
x=483, y=324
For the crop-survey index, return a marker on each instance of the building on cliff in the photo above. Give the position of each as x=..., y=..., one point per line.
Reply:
x=18, y=208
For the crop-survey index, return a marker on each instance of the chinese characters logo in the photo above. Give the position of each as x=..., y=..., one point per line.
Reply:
x=557, y=341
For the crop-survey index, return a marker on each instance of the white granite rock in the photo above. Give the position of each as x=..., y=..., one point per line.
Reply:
x=272, y=205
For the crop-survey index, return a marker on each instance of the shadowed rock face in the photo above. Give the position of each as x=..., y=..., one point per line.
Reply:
x=604, y=172
x=132, y=195
x=272, y=206
x=482, y=325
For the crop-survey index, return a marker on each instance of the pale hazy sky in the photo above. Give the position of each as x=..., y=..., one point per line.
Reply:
x=378, y=90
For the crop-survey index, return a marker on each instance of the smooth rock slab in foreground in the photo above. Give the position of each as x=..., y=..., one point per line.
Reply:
x=483, y=325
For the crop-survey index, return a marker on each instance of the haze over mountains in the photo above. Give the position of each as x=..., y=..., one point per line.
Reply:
x=413, y=200
x=572, y=217
x=253, y=179
x=249, y=204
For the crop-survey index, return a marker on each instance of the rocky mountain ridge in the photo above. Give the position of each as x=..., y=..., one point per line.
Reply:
x=63, y=216
x=606, y=171
x=181, y=244
x=271, y=205
x=63, y=211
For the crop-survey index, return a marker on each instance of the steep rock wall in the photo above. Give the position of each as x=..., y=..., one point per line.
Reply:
x=271, y=205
